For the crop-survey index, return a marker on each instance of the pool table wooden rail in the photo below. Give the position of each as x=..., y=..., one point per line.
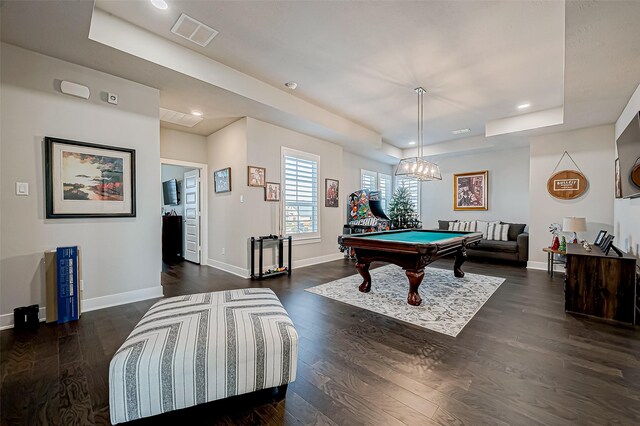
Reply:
x=445, y=248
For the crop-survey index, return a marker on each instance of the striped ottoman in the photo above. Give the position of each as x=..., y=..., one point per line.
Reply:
x=194, y=349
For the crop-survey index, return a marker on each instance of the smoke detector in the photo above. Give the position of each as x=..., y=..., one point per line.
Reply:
x=291, y=85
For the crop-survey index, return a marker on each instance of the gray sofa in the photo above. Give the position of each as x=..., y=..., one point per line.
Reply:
x=514, y=250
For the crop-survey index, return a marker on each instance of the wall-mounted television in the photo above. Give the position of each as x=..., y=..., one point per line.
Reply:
x=628, y=144
x=170, y=192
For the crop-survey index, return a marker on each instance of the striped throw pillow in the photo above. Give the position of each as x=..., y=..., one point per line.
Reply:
x=498, y=232
x=469, y=226
x=482, y=227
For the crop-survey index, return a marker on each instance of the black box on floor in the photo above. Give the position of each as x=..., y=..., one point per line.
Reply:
x=26, y=317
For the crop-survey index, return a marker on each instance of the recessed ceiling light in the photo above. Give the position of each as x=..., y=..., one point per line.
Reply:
x=196, y=113
x=160, y=4
x=291, y=85
x=460, y=131
x=412, y=143
x=524, y=106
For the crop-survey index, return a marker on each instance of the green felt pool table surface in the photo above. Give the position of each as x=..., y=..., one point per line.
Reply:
x=413, y=237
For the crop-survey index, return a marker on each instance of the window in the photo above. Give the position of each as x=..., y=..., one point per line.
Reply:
x=414, y=190
x=300, y=193
x=369, y=180
x=374, y=181
x=384, y=186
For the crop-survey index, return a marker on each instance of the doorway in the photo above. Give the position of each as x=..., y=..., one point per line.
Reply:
x=184, y=215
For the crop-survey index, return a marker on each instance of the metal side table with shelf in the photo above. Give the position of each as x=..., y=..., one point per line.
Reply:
x=261, y=242
x=552, y=260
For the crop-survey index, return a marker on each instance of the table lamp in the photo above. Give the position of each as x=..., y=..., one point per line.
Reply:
x=575, y=225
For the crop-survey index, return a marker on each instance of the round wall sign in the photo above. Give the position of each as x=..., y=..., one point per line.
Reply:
x=567, y=184
x=635, y=175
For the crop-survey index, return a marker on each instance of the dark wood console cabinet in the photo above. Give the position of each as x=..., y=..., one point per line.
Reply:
x=600, y=285
x=171, y=238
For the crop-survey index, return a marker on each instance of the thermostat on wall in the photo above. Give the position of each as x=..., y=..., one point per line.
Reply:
x=112, y=98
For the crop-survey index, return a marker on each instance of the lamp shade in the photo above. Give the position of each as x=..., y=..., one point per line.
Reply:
x=574, y=224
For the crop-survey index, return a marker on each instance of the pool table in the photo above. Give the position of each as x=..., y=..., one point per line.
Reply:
x=410, y=249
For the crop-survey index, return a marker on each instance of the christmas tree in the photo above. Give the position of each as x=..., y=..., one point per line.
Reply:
x=402, y=211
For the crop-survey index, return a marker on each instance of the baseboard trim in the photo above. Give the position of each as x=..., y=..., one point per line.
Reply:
x=244, y=273
x=316, y=260
x=232, y=269
x=121, y=298
x=95, y=303
x=542, y=266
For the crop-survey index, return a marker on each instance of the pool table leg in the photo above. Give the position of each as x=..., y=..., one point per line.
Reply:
x=461, y=256
x=363, y=269
x=415, y=278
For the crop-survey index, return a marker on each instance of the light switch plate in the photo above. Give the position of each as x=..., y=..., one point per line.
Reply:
x=22, y=188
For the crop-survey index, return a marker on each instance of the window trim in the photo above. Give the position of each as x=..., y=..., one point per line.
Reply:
x=376, y=177
x=396, y=185
x=305, y=237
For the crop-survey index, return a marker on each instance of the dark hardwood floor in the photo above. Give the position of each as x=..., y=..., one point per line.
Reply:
x=520, y=361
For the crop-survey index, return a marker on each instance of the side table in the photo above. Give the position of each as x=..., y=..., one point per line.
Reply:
x=551, y=260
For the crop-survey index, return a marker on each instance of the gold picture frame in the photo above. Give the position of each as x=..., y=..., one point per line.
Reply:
x=471, y=191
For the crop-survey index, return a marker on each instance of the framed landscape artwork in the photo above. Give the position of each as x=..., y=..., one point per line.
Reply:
x=272, y=191
x=331, y=192
x=256, y=176
x=470, y=191
x=88, y=180
x=222, y=180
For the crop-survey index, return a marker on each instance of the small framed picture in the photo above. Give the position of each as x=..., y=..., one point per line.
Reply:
x=272, y=191
x=331, y=191
x=600, y=237
x=222, y=180
x=606, y=244
x=256, y=176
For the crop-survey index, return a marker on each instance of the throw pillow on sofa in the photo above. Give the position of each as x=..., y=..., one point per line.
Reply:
x=443, y=225
x=464, y=226
x=482, y=225
x=515, y=229
x=498, y=232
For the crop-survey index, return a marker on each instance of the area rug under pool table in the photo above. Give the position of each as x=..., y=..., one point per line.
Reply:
x=448, y=303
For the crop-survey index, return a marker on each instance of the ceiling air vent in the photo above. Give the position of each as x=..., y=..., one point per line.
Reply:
x=179, y=118
x=193, y=30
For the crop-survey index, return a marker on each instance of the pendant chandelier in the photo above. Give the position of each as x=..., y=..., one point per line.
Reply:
x=417, y=168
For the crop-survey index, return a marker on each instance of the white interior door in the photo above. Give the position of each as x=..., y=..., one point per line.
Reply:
x=191, y=218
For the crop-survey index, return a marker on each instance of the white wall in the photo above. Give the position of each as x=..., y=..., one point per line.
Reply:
x=593, y=150
x=228, y=216
x=264, y=150
x=232, y=222
x=626, y=213
x=120, y=255
x=182, y=146
x=508, y=188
